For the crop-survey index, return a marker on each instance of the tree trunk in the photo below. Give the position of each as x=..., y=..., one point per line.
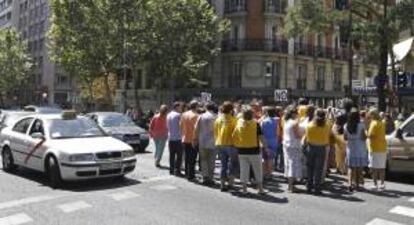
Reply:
x=108, y=94
x=91, y=97
x=382, y=73
x=136, y=96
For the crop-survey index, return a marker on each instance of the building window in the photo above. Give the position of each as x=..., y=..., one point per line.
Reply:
x=301, y=74
x=272, y=75
x=337, y=79
x=236, y=75
x=355, y=74
x=320, y=78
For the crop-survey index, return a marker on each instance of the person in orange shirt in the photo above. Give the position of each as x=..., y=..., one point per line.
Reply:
x=187, y=126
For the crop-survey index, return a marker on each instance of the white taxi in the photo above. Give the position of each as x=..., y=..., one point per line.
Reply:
x=65, y=147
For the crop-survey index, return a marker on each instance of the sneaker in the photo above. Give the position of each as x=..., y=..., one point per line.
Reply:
x=382, y=187
x=374, y=187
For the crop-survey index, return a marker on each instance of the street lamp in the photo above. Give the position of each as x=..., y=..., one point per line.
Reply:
x=44, y=98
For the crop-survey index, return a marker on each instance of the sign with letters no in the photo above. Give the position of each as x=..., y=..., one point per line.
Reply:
x=281, y=95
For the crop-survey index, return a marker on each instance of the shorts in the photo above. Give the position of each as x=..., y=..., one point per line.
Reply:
x=377, y=160
x=270, y=154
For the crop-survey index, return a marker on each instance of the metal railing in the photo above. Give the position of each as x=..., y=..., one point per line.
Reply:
x=235, y=6
x=320, y=51
x=264, y=45
x=275, y=6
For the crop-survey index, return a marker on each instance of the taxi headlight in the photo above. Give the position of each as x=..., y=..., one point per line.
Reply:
x=81, y=157
x=127, y=154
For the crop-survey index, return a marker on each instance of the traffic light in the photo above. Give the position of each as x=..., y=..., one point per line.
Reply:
x=402, y=80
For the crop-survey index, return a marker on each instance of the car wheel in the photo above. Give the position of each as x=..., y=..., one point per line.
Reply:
x=8, y=161
x=55, y=180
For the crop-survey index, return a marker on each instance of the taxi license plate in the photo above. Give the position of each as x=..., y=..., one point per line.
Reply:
x=110, y=166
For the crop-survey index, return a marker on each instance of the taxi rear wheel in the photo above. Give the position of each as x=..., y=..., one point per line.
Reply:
x=55, y=180
x=8, y=161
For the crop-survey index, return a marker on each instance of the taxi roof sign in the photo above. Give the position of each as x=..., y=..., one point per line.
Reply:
x=69, y=115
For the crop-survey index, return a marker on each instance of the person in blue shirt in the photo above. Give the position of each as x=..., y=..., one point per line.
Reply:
x=269, y=126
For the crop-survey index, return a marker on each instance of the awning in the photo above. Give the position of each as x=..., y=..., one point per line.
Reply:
x=401, y=50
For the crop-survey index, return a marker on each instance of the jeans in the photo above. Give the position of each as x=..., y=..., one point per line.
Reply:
x=159, y=147
x=208, y=162
x=248, y=162
x=315, y=163
x=229, y=161
x=190, y=160
x=176, y=156
x=279, y=158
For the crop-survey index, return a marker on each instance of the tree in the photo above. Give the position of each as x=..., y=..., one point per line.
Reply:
x=372, y=24
x=15, y=63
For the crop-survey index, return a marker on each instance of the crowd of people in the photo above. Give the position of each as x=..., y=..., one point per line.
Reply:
x=251, y=141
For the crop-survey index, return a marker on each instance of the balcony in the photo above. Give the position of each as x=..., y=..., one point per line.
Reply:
x=271, y=7
x=261, y=45
x=302, y=49
x=235, y=7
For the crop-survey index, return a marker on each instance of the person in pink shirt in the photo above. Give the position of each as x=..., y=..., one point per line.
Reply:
x=159, y=133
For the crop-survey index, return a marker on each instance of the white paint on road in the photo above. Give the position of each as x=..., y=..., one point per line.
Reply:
x=74, y=206
x=411, y=200
x=27, y=201
x=401, y=210
x=163, y=187
x=123, y=195
x=16, y=219
x=378, y=221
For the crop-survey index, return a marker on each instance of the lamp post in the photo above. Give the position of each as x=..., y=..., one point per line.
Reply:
x=44, y=98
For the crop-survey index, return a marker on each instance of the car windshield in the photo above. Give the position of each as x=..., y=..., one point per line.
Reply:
x=115, y=121
x=77, y=128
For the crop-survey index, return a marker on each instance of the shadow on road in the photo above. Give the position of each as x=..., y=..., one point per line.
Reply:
x=390, y=193
x=79, y=186
x=264, y=198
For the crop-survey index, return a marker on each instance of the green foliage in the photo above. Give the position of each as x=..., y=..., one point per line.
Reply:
x=91, y=38
x=15, y=63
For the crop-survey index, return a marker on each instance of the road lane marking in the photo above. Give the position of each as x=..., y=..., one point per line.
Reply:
x=401, y=210
x=16, y=219
x=123, y=195
x=411, y=200
x=74, y=206
x=163, y=187
x=378, y=221
x=27, y=201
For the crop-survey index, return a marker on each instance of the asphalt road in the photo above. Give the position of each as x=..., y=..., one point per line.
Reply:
x=150, y=196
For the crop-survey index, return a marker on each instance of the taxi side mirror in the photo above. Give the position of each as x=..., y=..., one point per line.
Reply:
x=37, y=135
x=399, y=134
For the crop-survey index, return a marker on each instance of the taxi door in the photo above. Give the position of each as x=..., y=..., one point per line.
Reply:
x=35, y=146
x=401, y=149
x=19, y=140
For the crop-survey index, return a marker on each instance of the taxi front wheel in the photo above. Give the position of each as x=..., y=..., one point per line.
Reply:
x=8, y=161
x=55, y=180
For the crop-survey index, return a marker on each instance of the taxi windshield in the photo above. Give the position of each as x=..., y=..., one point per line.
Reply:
x=116, y=121
x=77, y=128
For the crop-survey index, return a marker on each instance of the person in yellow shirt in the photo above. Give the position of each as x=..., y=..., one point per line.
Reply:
x=223, y=131
x=247, y=135
x=377, y=147
x=318, y=135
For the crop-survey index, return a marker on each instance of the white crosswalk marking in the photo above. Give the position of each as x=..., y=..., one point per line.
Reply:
x=401, y=210
x=411, y=200
x=16, y=219
x=27, y=201
x=123, y=195
x=74, y=206
x=163, y=187
x=378, y=221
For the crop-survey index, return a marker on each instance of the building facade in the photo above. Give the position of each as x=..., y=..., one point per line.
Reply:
x=31, y=19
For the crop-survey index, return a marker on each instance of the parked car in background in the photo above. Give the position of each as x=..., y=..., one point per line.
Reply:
x=9, y=117
x=42, y=109
x=65, y=147
x=401, y=148
x=123, y=128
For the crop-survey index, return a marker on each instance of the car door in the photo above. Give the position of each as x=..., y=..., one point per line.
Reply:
x=19, y=140
x=402, y=149
x=35, y=147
